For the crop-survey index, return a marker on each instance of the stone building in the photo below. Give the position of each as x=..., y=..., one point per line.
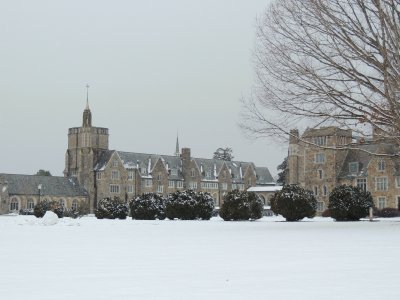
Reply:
x=324, y=158
x=106, y=173
x=25, y=191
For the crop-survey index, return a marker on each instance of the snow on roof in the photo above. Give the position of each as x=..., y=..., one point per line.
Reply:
x=265, y=188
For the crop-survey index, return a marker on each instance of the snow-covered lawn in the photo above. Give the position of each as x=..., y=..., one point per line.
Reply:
x=266, y=259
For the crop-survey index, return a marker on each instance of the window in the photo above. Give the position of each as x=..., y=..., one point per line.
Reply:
x=353, y=167
x=342, y=140
x=224, y=186
x=325, y=190
x=398, y=181
x=362, y=184
x=381, y=202
x=98, y=175
x=192, y=173
x=320, y=140
x=30, y=204
x=208, y=174
x=159, y=177
x=115, y=175
x=130, y=175
x=174, y=172
x=160, y=188
x=320, y=174
x=130, y=189
x=179, y=184
x=74, y=205
x=14, y=204
x=381, y=165
x=381, y=183
x=171, y=184
x=114, y=188
x=320, y=158
x=143, y=171
x=193, y=185
x=148, y=182
x=315, y=190
x=115, y=163
x=320, y=206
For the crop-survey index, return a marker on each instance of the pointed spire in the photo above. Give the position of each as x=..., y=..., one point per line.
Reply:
x=87, y=96
x=177, y=146
x=87, y=115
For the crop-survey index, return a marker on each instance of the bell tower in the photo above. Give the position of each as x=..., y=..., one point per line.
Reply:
x=85, y=146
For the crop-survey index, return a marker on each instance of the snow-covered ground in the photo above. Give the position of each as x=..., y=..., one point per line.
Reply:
x=266, y=259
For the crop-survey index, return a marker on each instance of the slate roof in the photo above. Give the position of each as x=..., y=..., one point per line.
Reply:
x=132, y=160
x=362, y=156
x=51, y=185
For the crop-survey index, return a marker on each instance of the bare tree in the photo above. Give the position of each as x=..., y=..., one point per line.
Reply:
x=333, y=62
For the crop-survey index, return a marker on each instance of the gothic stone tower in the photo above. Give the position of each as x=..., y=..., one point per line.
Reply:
x=85, y=145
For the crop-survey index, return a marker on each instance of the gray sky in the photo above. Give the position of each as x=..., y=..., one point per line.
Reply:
x=154, y=67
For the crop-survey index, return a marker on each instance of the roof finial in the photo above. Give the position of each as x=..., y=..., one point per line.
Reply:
x=87, y=96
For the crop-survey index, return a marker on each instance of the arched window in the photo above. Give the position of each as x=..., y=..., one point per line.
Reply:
x=74, y=205
x=263, y=199
x=30, y=204
x=62, y=203
x=14, y=204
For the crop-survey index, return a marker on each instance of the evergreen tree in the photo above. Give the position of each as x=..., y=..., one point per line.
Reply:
x=42, y=172
x=224, y=154
x=282, y=175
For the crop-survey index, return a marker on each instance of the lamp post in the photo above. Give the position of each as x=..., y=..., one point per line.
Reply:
x=39, y=190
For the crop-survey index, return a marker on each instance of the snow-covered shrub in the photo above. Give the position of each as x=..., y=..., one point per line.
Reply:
x=111, y=208
x=349, y=203
x=149, y=206
x=43, y=206
x=189, y=205
x=241, y=205
x=294, y=203
x=57, y=208
x=388, y=212
x=205, y=205
x=80, y=211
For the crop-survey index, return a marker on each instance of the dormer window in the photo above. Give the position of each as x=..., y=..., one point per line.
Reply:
x=208, y=174
x=381, y=165
x=115, y=163
x=320, y=140
x=353, y=167
x=192, y=173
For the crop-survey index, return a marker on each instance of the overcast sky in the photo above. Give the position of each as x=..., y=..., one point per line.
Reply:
x=154, y=68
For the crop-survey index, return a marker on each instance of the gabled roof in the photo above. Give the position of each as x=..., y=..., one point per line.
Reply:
x=18, y=184
x=363, y=155
x=132, y=160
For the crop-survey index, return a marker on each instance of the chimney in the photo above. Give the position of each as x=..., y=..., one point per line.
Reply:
x=294, y=136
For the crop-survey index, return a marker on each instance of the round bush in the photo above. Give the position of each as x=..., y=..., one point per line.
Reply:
x=241, y=205
x=189, y=205
x=294, y=203
x=40, y=208
x=149, y=206
x=349, y=203
x=205, y=205
x=111, y=208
